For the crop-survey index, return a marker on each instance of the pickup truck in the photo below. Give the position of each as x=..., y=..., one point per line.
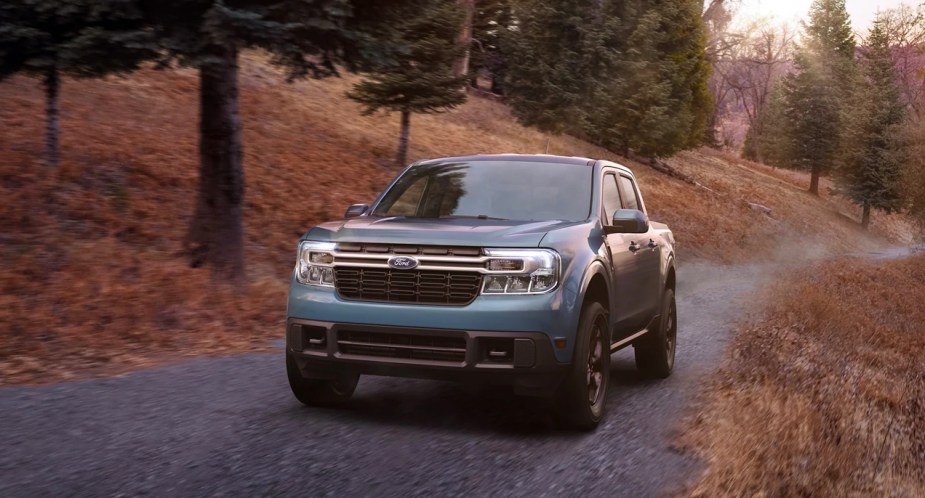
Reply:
x=518, y=270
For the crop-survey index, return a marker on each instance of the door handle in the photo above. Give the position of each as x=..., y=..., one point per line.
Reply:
x=634, y=247
x=653, y=244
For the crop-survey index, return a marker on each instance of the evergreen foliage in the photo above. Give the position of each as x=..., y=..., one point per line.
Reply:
x=772, y=146
x=488, y=54
x=82, y=38
x=815, y=95
x=630, y=74
x=872, y=158
x=545, y=83
x=420, y=78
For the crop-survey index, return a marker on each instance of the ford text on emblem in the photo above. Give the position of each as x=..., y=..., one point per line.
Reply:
x=403, y=263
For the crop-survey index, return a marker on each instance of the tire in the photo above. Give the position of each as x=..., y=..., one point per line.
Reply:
x=655, y=352
x=583, y=394
x=319, y=392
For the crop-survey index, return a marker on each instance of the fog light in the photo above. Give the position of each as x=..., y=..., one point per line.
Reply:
x=327, y=275
x=495, y=285
x=314, y=275
x=543, y=282
x=518, y=284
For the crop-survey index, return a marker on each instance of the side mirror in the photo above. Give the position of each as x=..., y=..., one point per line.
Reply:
x=356, y=210
x=628, y=221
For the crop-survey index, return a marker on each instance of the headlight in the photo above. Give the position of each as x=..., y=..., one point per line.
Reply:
x=313, y=266
x=520, y=271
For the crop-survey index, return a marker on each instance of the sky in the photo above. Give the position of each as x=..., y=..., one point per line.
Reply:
x=862, y=12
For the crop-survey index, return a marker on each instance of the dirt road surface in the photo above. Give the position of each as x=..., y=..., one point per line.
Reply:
x=229, y=426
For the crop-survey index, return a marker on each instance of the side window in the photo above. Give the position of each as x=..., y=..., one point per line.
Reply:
x=610, y=198
x=628, y=191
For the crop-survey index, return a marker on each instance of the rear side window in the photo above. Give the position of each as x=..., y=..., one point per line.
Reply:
x=610, y=197
x=628, y=192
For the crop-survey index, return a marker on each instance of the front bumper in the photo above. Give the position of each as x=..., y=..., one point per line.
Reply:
x=524, y=360
x=553, y=316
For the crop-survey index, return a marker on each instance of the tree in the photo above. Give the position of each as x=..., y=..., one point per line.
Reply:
x=488, y=54
x=309, y=38
x=421, y=77
x=905, y=29
x=546, y=83
x=81, y=38
x=750, y=70
x=720, y=42
x=812, y=119
x=629, y=75
x=815, y=94
x=659, y=99
x=464, y=38
x=771, y=144
x=872, y=156
x=913, y=178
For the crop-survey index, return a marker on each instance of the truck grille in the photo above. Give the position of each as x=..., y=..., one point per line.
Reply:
x=455, y=288
x=408, y=346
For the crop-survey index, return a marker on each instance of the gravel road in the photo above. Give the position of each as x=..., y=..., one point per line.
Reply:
x=229, y=426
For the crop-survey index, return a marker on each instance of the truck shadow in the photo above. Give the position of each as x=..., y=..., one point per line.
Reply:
x=457, y=407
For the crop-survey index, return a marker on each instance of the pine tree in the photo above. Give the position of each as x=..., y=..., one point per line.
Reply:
x=654, y=99
x=684, y=63
x=772, y=145
x=872, y=156
x=631, y=104
x=815, y=95
x=546, y=82
x=421, y=77
x=307, y=38
x=81, y=38
x=812, y=116
x=490, y=31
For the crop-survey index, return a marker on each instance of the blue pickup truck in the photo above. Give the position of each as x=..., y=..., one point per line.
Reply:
x=518, y=270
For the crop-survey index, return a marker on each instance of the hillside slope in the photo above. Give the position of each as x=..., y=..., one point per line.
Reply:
x=92, y=269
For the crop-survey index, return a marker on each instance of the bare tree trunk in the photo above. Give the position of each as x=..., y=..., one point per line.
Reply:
x=216, y=235
x=865, y=218
x=52, y=86
x=814, y=180
x=461, y=66
x=403, y=139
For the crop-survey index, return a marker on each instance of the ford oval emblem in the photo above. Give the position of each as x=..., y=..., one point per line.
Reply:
x=403, y=263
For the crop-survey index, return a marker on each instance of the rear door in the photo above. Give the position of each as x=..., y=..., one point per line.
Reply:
x=647, y=280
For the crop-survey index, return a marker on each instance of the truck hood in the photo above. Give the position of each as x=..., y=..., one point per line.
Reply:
x=457, y=231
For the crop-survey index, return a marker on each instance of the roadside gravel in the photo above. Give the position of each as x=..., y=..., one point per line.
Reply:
x=229, y=426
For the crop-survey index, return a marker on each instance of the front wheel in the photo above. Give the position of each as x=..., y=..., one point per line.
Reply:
x=583, y=393
x=319, y=392
x=655, y=352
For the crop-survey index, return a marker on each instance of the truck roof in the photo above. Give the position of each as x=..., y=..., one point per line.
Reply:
x=543, y=158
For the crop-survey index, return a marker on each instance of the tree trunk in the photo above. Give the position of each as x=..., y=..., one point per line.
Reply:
x=814, y=180
x=403, y=138
x=52, y=86
x=865, y=218
x=216, y=235
x=461, y=66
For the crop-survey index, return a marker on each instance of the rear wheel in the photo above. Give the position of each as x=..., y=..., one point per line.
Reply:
x=655, y=352
x=583, y=394
x=319, y=392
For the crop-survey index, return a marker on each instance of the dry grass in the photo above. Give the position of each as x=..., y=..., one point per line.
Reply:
x=824, y=395
x=92, y=275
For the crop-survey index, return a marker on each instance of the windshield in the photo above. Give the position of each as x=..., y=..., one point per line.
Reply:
x=507, y=190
